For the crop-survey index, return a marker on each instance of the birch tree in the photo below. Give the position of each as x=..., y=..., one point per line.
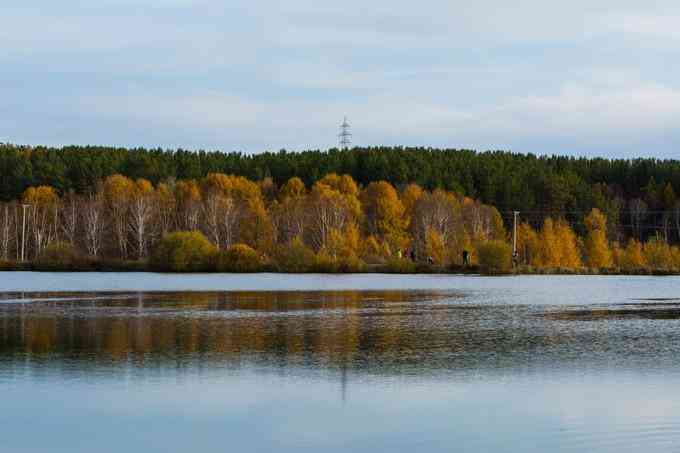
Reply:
x=70, y=217
x=5, y=231
x=188, y=202
x=43, y=215
x=92, y=218
x=118, y=191
x=141, y=211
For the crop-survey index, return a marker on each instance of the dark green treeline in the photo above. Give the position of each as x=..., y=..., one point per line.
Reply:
x=637, y=194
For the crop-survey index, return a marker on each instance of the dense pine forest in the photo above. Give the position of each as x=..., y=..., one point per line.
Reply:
x=339, y=208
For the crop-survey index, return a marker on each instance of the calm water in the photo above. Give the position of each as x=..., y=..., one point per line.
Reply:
x=367, y=363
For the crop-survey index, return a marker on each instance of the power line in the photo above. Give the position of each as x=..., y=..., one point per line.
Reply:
x=549, y=212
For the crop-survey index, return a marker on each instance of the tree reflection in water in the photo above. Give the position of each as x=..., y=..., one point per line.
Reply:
x=366, y=332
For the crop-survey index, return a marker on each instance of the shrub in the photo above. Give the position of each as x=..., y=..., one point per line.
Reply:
x=60, y=256
x=325, y=263
x=294, y=257
x=658, y=255
x=351, y=264
x=495, y=257
x=238, y=258
x=184, y=251
x=401, y=266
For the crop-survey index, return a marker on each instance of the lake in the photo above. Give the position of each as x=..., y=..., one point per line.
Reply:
x=324, y=363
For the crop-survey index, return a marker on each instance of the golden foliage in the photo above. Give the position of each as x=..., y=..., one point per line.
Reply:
x=293, y=188
x=658, y=255
x=40, y=196
x=238, y=258
x=435, y=247
x=333, y=226
x=597, y=249
x=384, y=214
x=633, y=257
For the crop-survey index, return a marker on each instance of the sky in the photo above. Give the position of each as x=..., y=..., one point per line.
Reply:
x=579, y=77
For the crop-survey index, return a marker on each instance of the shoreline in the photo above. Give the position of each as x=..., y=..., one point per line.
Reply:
x=413, y=269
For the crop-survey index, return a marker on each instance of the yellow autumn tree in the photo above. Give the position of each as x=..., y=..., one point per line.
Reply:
x=658, y=255
x=570, y=256
x=42, y=216
x=254, y=226
x=528, y=245
x=410, y=195
x=118, y=193
x=339, y=252
x=188, y=202
x=434, y=246
x=371, y=248
x=347, y=187
x=598, y=253
x=550, y=251
x=289, y=214
x=462, y=242
x=384, y=214
x=166, y=208
x=352, y=238
x=143, y=205
x=333, y=203
x=675, y=257
x=618, y=255
x=293, y=188
x=438, y=211
x=633, y=257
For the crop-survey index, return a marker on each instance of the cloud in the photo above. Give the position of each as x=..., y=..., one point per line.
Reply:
x=578, y=77
x=645, y=25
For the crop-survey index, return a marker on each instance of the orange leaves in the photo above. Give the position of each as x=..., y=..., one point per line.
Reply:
x=409, y=197
x=41, y=195
x=187, y=191
x=246, y=207
x=334, y=187
x=556, y=245
x=384, y=213
x=597, y=249
x=233, y=186
x=435, y=247
x=344, y=184
x=570, y=256
x=633, y=258
x=293, y=188
x=118, y=189
x=143, y=186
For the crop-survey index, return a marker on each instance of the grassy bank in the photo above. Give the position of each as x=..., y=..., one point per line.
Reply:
x=402, y=267
x=143, y=266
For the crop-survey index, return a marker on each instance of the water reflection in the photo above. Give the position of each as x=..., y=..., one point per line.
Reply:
x=360, y=371
x=360, y=332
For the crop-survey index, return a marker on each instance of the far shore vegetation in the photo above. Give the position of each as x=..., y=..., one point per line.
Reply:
x=228, y=223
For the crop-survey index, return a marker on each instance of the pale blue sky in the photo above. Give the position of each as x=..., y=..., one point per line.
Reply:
x=578, y=77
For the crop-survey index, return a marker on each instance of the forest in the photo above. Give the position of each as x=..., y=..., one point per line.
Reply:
x=340, y=210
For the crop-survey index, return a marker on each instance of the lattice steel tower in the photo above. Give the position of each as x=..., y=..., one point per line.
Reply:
x=345, y=135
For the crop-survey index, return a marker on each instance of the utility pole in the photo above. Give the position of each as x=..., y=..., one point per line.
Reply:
x=23, y=232
x=514, y=236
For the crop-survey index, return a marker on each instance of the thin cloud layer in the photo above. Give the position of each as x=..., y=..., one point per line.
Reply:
x=529, y=76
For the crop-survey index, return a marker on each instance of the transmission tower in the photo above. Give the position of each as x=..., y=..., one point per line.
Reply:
x=345, y=135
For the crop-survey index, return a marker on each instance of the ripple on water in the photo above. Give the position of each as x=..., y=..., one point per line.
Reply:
x=394, y=368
